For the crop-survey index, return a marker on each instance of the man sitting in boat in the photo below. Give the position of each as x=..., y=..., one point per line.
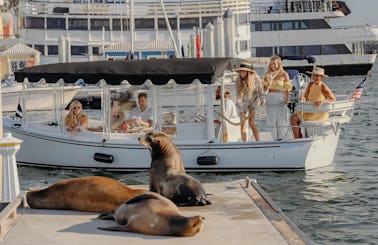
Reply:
x=318, y=93
x=118, y=120
x=142, y=115
x=76, y=121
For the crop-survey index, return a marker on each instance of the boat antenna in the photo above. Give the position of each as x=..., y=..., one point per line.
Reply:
x=177, y=52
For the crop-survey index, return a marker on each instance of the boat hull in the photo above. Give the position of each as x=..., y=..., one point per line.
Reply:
x=46, y=149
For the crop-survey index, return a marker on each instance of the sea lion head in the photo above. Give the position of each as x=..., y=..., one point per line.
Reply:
x=188, y=226
x=158, y=143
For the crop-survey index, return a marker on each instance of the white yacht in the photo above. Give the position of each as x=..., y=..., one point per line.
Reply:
x=302, y=28
x=88, y=30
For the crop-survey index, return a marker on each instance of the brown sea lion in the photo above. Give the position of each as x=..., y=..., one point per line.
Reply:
x=90, y=194
x=153, y=214
x=167, y=172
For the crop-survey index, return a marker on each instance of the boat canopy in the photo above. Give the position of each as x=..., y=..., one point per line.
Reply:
x=135, y=72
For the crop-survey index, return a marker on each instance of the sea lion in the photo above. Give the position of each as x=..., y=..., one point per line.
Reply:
x=90, y=194
x=167, y=172
x=153, y=214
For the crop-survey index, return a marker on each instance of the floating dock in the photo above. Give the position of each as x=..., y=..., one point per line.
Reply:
x=241, y=213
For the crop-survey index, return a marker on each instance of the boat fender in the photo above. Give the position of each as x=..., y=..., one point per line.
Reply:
x=101, y=157
x=207, y=160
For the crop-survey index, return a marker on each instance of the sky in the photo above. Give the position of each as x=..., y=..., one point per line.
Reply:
x=363, y=12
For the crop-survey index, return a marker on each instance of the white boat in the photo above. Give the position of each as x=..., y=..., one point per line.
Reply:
x=181, y=95
x=37, y=97
x=297, y=28
x=88, y=30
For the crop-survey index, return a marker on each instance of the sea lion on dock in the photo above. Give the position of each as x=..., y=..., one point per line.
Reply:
x=167, y=172
x=153, y=214
x=90, y=194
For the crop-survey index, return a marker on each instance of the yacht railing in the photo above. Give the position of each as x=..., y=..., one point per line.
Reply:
x=141, y=8
x=293, y=6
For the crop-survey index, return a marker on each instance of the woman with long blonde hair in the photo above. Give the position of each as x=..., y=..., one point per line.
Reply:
x=277, y=85
x=248, y=90
x=76, y=121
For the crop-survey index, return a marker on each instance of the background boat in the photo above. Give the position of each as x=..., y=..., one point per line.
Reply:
x=303, y=28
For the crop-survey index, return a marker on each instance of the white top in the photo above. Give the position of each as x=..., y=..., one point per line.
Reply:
x=146, y=115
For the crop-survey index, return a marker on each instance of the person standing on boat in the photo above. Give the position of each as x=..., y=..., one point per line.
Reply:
x=229, y=110
x=142, y=115
x=76, y=121
x=318, y=93
x=249, y=90
x=277, y=85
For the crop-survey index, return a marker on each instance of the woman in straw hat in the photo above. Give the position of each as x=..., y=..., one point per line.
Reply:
x=318, y=93
x=277, y=84
x=248, y=89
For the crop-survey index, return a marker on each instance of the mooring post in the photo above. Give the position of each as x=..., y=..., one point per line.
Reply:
x=9, y=146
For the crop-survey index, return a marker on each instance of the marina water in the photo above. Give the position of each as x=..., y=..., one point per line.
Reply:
x=337, y=204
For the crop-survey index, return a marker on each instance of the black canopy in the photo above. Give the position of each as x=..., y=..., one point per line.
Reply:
x=136, y=72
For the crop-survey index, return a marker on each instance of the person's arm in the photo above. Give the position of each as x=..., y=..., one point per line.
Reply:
x=305, y=96
x=330, y=97
x=287, y=87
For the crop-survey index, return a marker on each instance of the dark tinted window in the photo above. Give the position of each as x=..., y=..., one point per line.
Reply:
x=78, y=24
x=79, y=50
x=144, y=24
x=188, y=23
x=172, y=23
x=56, y=23
x=40, y=48
x=117, y=24
x=35, y=23
x=52, y=50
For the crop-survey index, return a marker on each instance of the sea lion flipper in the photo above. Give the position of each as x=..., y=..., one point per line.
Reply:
x=112, y=228
x=142, y=197
x=107, y=215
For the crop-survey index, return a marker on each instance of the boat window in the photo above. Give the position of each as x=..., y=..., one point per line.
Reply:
x=98, y=24
x=172, y=23
x=188, y=23
x=35, y=23
x=117, y=24
x=77, y=24
x=52, y=50
x=243, y=19
x=79, y=50
x=40, y=48
x=96, y=50
x=335, y=49
x=208, y=19
x=144, y=24
x=56, y=23
x=243, y=45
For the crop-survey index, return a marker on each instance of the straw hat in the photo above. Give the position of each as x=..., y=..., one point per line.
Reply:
x=245, y=66
x=318, y=71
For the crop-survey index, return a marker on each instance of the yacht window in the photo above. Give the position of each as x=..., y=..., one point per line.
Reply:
x=98, y=24
x=335, y=49
x=172, y=22
x=144, y=24
x=34, y=23
x=312, y=50
x=254, y=26
x=56, y=23
x=287, y=25
x=95, y=50
x=79, y=50
x=243, y=45
x=78, y=24
x=40, y=48
x=264, y=52
x=17, y=64
x=117, y=24
x=52, y=50
x=208, y=19
x=243, y=19
x=189, y=23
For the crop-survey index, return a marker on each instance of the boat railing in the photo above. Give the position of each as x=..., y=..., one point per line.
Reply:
x=294, y=6
x=340, y=112
x=140, y=8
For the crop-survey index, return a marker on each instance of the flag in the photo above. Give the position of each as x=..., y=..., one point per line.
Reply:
x=360, y=87
x=18, y=112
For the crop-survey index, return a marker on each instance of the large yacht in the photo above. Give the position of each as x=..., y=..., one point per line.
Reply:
x=80, y=30
x=296, y=29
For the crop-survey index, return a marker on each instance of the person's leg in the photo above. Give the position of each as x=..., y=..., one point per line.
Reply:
x=295, y=126
x=243, y=126
x=271, y=113
x=252, y=124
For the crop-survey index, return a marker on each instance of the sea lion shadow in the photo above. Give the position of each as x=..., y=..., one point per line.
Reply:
x=91, y=228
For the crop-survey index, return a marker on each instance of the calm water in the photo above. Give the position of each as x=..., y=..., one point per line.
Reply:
x=332, y=205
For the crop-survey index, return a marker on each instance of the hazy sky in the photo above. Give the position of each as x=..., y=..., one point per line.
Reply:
x=363, y=12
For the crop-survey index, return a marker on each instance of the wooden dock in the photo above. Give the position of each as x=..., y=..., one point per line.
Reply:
x=240, y=214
